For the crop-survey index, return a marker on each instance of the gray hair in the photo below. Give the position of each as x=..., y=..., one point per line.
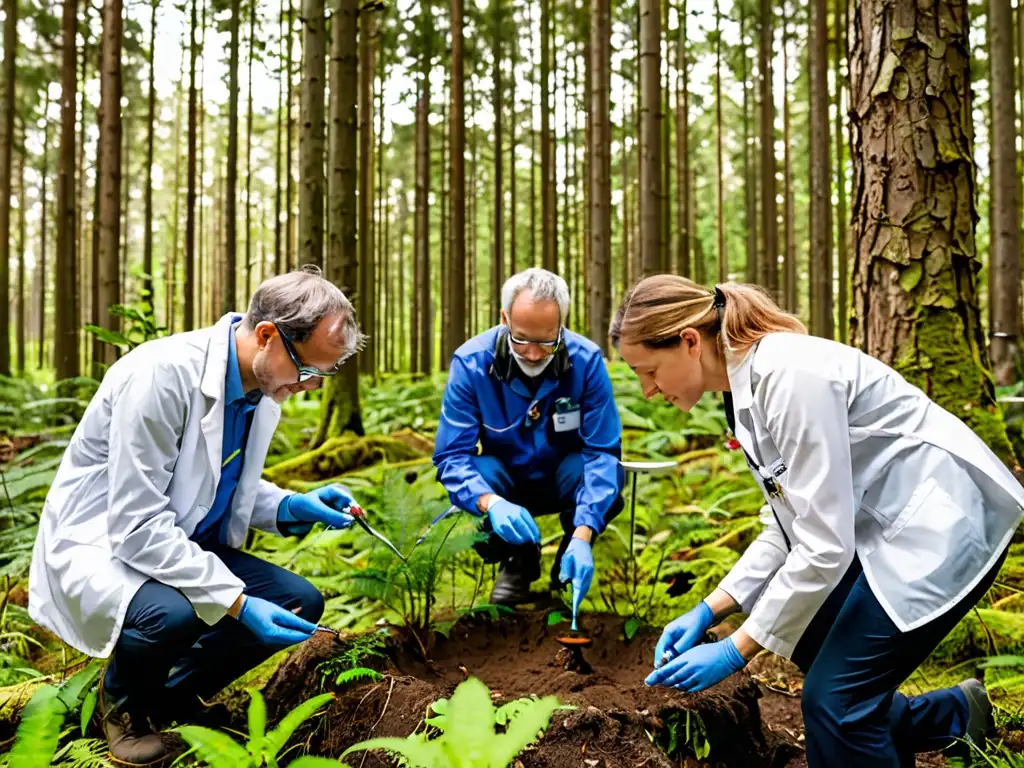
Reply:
x=541, y=284
x=297, y=301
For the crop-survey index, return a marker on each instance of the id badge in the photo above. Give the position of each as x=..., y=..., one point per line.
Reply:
x=567, y=421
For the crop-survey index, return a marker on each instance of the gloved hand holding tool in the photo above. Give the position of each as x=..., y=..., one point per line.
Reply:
x=699, y=667
x=578, y=567
x=683, y=633
x=322, y=505
x=273, y=624
x=513, y=523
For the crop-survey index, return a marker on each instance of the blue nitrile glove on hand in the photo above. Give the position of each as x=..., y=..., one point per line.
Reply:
x=700, y=667
x=272, y=624
x=577, y=566
x=513, y=523
x=683, y=633
x=324, y=505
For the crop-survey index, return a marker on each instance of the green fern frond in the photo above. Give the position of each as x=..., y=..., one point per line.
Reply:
x=356, y=675
x=277, y=738
x=84, y=753
x=215, y=748
x=38, y=732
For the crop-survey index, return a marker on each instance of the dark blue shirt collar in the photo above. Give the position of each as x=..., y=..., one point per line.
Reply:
x=233, y=391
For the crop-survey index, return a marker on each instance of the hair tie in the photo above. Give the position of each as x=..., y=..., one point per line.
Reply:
x=719, y=298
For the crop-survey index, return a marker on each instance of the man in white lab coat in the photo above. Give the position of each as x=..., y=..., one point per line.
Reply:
x=138, y=552
x=886, y=520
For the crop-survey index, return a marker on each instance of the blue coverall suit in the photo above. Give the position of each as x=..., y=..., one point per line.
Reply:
x=569, y=465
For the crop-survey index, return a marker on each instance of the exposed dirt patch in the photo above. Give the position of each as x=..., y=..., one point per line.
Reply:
x=518, y=656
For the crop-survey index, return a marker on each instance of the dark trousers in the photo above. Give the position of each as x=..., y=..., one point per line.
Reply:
x=167, y=658
x=854, y=658
x=556, y=495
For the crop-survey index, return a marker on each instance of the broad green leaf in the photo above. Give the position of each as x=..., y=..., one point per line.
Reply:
x=278, y=737
x=75, y=687
x=88, y=707
x=555, y=617
x=215, y=748
x=471, y=721
x=257, y=724
x=38, y=733
x=523, y=730
x=631, y=627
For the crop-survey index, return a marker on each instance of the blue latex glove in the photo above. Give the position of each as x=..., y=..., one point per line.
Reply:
x=700, y=667
x=683, y=633
x=272, y=624
x=577, y=566
x=324, y=505
x=513, y=523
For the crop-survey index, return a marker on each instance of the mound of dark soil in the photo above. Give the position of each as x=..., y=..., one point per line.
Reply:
x=517, y=656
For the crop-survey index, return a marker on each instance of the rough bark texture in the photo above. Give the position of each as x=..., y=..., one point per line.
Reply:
x=1004, y=266
x=650, y=136
x=66, y=316
x=498, y=230
x=549, y=205
x=339, y=406
x=820, y=266
x=365, y=295
x=769, y=264
x=22, y=202
x=842, y=252
x=723, y=259
x=456, y=331
x=311, y=136
x=278, y=152
x=913, y=211
x=789, y=216
x=110, y=172
x=683, y=152
x=190, y=196
x=44, y=221
x=6, y=145
x=248, y=161
x=422, y=343
x=600, y=267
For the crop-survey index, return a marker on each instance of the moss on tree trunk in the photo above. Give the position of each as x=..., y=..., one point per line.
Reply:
x=340, y=455
x=914, y=281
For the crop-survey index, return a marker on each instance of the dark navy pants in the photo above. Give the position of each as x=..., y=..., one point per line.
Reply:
x=167, y=658
x=854, y=658
x=556, y=495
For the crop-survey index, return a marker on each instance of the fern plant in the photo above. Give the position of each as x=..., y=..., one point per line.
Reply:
x=39, y=732
x=468, y=738
x=218, y=750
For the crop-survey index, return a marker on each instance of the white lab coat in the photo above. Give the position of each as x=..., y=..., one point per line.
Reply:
x=139, y=474
x=867, y=464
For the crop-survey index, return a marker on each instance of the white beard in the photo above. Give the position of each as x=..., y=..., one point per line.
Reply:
x=531, y=369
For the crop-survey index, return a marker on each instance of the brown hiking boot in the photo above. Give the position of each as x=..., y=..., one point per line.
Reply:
x=132, y=738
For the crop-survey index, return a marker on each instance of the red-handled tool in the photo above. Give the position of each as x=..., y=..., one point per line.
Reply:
x=359, y=515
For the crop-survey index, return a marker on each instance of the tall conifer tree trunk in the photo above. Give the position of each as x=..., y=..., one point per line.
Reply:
x=67, y=272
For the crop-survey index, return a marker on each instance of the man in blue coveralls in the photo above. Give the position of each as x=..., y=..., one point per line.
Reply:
x=138, y=555
x=538, y=399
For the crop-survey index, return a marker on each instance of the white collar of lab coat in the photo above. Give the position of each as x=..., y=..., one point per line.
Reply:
x=738, y=365
x=217, y=358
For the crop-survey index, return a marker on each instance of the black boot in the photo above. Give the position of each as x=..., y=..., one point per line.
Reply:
x=132, y=737
x=516, y=573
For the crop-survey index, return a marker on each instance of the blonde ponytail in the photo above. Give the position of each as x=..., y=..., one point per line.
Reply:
x=659, y=307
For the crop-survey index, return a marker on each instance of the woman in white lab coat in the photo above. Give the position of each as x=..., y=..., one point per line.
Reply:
x=886, y=519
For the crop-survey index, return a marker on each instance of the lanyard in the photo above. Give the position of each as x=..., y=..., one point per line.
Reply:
x=769, y=482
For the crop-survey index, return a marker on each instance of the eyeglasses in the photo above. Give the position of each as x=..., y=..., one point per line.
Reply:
x=306, y=372
x=549, y=346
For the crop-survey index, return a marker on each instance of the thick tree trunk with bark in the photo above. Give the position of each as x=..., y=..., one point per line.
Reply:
x=44, y=222
x=67, y=272
x=789, y=250
x=227, y=296
x=248, y=162
x=723, y=258
x=6, y=147
x=650, y=136
x=339, y=406
x=20, y=252
x=110, y=172
x=842, y=256
x=599, y=156
x=1004, y=268
x=311, y=136
x=820, y=266
x=913, y=207
x=683, y=151
x=498, y=232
